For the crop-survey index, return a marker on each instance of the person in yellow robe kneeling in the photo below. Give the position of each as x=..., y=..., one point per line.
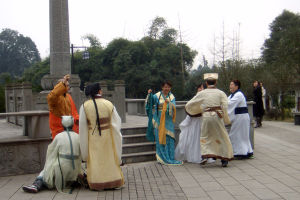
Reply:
x=100, y=140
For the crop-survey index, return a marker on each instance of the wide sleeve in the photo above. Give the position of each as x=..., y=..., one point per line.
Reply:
x=116, y=130
x=193, y=106
x=83, y=134
x=224, y=106
x=232, y=104
x=74, y=114
x=150, y=102
x=58, y=90
x=51, y=158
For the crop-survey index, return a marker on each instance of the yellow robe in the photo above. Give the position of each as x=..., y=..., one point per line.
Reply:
x=102, y=153
x=214, y=140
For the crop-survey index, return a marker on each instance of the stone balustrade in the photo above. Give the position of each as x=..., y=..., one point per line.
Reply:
x=35, y=123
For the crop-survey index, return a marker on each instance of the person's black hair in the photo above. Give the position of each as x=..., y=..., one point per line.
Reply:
x=211, y=82
x=237, y=83
x=92, y=90
x=202, y=84
x=166, y=82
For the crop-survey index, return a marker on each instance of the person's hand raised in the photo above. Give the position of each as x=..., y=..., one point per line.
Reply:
x=66, y=78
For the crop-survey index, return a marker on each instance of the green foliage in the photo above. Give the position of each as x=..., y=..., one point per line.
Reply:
x=35, y=73
x=288, y=102
x=17, y=52
x=142, y=64
x=94, y=41
x=158, y=25
x=281, y=52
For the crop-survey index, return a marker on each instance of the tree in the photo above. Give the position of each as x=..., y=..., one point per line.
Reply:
x=35, y=73
x=94, y=41
x=281, y=53
x=17, y=52
x=157, y=27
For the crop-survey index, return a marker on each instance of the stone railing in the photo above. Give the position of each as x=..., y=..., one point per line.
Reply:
x=135, y=106
x=35, y=123
x=24, y=155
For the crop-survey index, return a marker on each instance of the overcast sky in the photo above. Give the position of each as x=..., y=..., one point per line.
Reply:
x=200, y=20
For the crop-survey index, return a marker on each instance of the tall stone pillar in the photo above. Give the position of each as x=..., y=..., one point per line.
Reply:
x=60, y=61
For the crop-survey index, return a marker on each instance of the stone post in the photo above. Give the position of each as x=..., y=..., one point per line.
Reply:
x=60, y=61
x=59, y=38
x=119, y=99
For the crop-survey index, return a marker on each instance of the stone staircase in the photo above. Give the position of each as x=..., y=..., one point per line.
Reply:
x=136, y=148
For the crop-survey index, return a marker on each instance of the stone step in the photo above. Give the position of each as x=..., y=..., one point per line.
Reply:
x=134, y=130
x=138, y=157
x=138, y=147
x=134, y=138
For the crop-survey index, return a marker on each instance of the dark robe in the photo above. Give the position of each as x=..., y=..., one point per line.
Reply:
x=258, y=107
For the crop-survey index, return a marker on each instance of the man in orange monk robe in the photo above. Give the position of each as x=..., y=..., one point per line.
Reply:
x=61, y=103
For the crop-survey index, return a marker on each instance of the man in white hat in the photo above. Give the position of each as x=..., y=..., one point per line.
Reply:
x=212, y=103
x=63, y=162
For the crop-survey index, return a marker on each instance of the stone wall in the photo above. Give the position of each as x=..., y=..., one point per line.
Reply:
x=18, y=97
x=22, y=157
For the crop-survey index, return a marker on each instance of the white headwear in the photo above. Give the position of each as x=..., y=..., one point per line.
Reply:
x=67, y=121
x=211, y=76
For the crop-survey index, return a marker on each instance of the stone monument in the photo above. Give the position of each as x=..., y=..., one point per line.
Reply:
x=60, y=62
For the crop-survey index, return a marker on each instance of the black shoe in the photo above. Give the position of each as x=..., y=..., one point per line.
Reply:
x=224, y=163
x=203, y=161
x=82, y=180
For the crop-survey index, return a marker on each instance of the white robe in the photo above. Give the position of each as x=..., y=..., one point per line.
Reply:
x=240, y=125
x=188, y=147
x=59, y=169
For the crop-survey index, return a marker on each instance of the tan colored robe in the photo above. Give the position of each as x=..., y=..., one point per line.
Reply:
x=214, y=140
x=102, y=153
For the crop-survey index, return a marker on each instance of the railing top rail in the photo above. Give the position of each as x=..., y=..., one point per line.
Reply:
x=25, y=113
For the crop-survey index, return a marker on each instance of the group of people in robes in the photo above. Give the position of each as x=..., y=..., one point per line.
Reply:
x=203, y=137
x=93, y=136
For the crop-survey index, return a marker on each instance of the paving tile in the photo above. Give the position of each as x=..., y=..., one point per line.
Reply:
x=194, y=192
x=290, y=195
x=211, y=186
x=265, y=179
x=217, y=195
x=278, y=187
x=246, y=197
x=252, y=184
x=227, y=181
x=265, y=193
x=237, y=190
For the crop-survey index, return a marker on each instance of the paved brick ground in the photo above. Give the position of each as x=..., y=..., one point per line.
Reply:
x=273, y=174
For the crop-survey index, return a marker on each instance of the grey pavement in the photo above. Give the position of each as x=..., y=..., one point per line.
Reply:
x=274, y=174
